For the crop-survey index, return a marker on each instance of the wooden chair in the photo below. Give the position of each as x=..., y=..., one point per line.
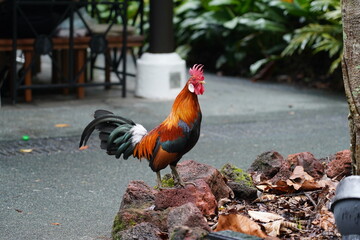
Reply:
x=81, y=50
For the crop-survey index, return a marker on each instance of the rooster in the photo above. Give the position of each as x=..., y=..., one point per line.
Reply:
x=165, y=144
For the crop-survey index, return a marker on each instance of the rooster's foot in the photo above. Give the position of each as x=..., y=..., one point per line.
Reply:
x=183, y=184
x=177, y=179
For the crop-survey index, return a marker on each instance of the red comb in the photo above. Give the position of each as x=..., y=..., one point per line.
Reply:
x=196, y=70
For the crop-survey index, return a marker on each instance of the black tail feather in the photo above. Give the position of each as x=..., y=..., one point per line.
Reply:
x=101, y=112
x=104, y=119
x=113, y=133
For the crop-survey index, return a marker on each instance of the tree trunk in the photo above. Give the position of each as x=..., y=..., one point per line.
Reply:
x=351, y=73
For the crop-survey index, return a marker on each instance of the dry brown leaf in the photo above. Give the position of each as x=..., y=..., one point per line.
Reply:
x=61, y=125
x=256, y=177
x=325, y=219
x=280, y=186
x=266, y=198
x=273, y=228
x=264, y=217
x=263, y=187
x=301, y=180
x=239, y=223
x=55, y=224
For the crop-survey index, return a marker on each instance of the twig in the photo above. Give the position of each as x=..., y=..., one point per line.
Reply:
x=311, y=199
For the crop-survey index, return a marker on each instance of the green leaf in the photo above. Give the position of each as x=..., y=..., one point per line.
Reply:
x=257, y=65
x=222, y=2
x=232, y=23
x=188, y=6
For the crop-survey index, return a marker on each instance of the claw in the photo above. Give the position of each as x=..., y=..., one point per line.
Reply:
x=183, y=184
x=178, y=179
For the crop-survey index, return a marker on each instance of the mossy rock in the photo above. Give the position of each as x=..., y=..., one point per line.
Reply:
x=238, y=175
x=120, y=223
x=127, y=218
x=240, y=182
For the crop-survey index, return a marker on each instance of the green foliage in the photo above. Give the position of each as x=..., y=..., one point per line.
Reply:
x=324, y=35
x=241, y=36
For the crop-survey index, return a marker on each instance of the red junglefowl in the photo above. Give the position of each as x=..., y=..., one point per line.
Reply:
x=166, y=143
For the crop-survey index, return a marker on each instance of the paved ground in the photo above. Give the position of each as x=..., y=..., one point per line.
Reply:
x=59, y=192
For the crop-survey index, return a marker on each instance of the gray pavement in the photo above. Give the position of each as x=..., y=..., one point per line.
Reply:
x=60, y=192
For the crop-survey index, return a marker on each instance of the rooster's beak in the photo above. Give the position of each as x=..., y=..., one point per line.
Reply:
x=202, y=82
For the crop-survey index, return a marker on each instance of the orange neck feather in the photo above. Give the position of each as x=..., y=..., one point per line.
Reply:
x=186, y=108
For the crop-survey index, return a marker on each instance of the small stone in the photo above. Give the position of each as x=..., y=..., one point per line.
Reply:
x=129, y=217
x=243, y=191
x=236, y=174
x=142, y=231
x=190, y=171
x=339, y=165
x=186, y=215
x=310, y=164
x=240, y=182
x=137, y=193
x=267, y=164
x=187, y=233
x=200, y=195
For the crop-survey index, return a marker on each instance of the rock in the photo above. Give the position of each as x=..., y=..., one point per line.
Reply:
x=267, y=165
x=339, y=165
x=137, y=207
x=144, y=212
x=190, y=171
x=187, y=233
x=142, y=231
x=240, y=182
x=243, y=191
x=310, y=164
x=236, y=174
x=130, y=217
x=137, y=193
x=187, y=215
x=283, y=174
x=200, y=195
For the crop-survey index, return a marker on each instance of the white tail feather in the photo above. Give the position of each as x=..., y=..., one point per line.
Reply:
x=138, y=132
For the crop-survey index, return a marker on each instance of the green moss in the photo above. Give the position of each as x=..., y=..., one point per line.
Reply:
x=167, y=181
x=118, y=226
x=236, y=174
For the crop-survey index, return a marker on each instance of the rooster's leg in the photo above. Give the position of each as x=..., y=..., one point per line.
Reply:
x=158, y=175
x=177, y=177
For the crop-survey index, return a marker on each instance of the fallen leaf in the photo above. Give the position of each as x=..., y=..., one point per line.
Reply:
x=239, y=223
x=264, y=217
x=266, y=198
x=273, y=228
x=325, y=219
x=84, y=147
x=26, y=150
x=301, y=180
x=61, y=125
x=55, y=224
x=18, y=210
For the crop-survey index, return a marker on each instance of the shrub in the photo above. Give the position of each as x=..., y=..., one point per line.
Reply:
x=242, y=36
